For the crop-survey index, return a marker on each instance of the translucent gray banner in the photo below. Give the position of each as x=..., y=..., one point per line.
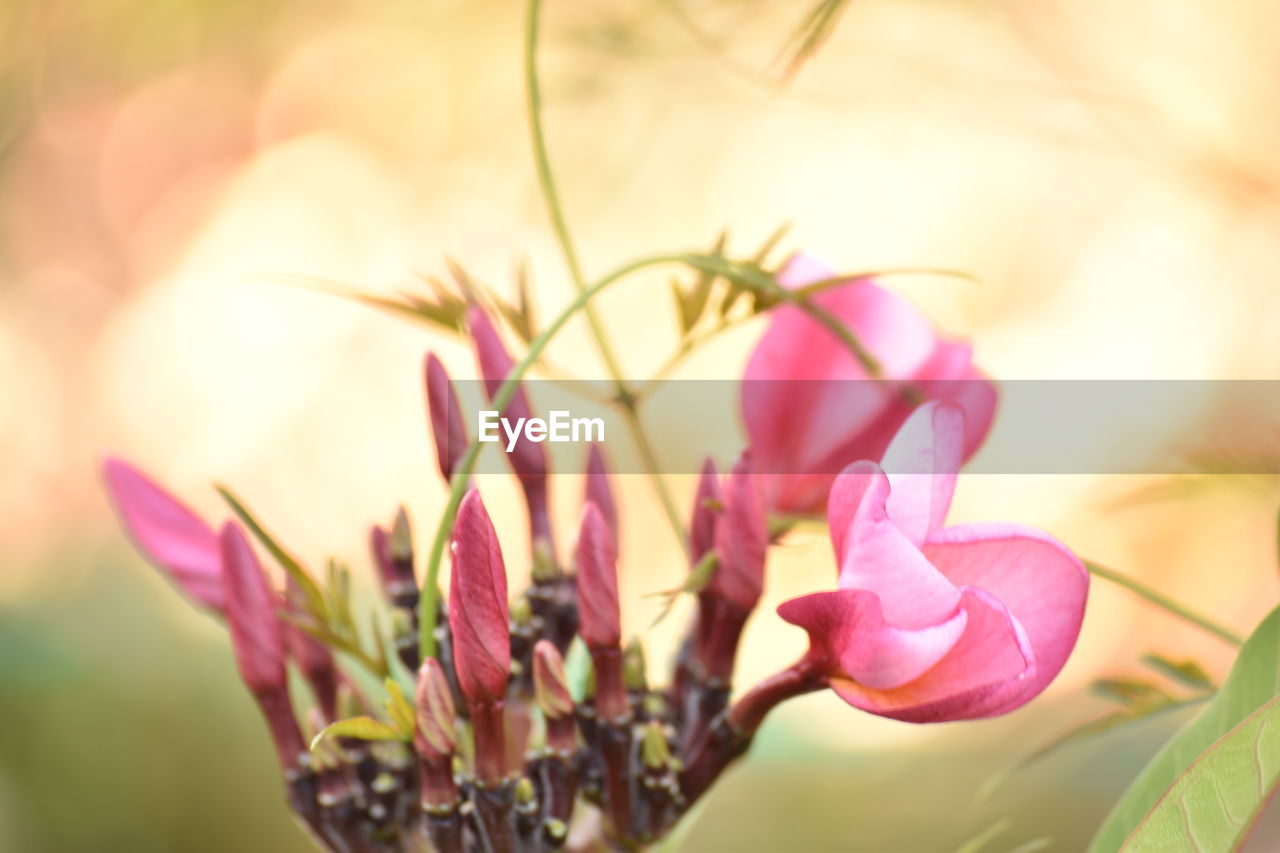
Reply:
x=1040, y=426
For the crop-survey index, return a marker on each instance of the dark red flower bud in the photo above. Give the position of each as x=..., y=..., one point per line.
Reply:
x=478, y=615
x=446, y=417
x=742, y=540
x=393, y=556
x=528, y=458
x=598, y=491
x=702, y=525
x=598, y=612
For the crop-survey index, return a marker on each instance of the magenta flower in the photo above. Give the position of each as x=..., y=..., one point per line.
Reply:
x=167, y=533
x=805, y=421
x=933, y=623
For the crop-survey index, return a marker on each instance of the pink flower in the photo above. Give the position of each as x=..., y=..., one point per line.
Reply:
x=167, y=533
x=478, y=615
x=805, y=413
x=933, y=623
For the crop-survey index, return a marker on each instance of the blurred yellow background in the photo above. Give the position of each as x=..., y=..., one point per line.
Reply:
x=1106, y=170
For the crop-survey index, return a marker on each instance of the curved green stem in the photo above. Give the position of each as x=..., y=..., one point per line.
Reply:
x=466, y=465
x=546, y=180
x=1165, y=603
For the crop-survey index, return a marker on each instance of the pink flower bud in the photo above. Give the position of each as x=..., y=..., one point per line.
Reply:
x=809, y=405
x=478, y=615
x=258, y=640
x=169, y=535
x=702, y=525
x=251, y=614
x=742, y=541
x=393, y=556
x=436, y=735
x=598, y=612
x=528, y=459
x=446, y=417
x=599, y=492
x=550, y=683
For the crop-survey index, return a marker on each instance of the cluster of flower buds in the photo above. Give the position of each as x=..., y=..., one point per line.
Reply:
x=531, y=721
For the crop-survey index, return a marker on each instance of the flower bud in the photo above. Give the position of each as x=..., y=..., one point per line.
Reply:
x=528, y=458
x=393, y=556
x=550, y=683
x=251, y=614
x=702, y=525
x=314, y=659
x=436, y=735
x=597, y=581
x=446, y=417
x=169, y=535
x=599, y=491
x=257, y=640
x=633, y=666
x=654, y=750
x=478, y=616
x=741, y=541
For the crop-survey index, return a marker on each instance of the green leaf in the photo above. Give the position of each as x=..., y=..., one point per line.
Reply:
x=1254, y=680
x=361, y=728
x=1214, y=802
x=578, y=670
x=398, y=707
x=314, y=598
x=1187, y=672
x=1128, y=691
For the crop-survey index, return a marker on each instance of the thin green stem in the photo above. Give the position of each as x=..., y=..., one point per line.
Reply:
x=1165, y=603
x=546, y=180
x=466, y=465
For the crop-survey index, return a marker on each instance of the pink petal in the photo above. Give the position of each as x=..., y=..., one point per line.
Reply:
x=951, y=376
x=990, y=666
x=597, y=582
x=478, y=615
x=922, y=462
x=168, y=534
x=847, y=626
x=256, y=635
x=875, y=555
x=1042, y=584
x=805, y=430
